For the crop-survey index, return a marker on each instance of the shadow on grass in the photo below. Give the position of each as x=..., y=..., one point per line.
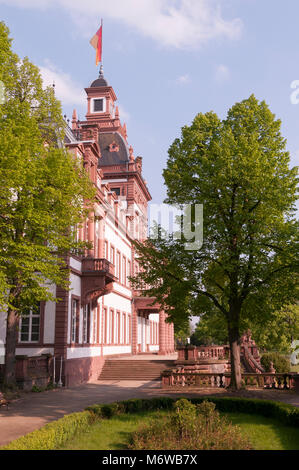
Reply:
x=266, y=433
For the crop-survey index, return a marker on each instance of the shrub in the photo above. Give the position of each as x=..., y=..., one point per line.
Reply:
x=107, y=410
x=191, y=427
x=184, y=418
x=268, y=408
x=280, y=363
x=54, y=434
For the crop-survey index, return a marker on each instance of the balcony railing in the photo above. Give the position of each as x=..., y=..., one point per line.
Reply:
x=93, y=265
x=97, y=278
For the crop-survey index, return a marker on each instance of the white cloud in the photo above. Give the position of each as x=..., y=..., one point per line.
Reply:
x=183, y=79
x=179, y=24
x=123, y=114
x=66, y=90
x=222, y=73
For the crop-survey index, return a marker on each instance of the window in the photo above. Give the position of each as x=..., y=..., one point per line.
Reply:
x=128, y=272
x=98, y=105
x=118, y=267
x=105, y=326
x=118, y=330
x=111, y=327
x=124, y=329
x=124, y=270
x=30, y=325
x=95, y=324
x=75, y=305
x=116, y=190
x=106, y=250
x=86, y=315
x=112, y=260
x=129, y=330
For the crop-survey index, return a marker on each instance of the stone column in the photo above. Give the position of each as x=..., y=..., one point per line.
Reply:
x=61, y=328
x=171, y=338
x=162, y=333
x=134, y=330
x=167, y=337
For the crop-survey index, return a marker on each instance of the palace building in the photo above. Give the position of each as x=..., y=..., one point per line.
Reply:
x=101, y=316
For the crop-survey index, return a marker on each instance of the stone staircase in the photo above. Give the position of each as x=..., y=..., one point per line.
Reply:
x=129, y=369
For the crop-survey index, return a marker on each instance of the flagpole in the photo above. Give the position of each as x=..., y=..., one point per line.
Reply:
x=101, y=66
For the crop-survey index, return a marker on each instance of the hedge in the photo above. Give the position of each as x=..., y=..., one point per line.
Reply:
x=53, y=435
x=283, y=412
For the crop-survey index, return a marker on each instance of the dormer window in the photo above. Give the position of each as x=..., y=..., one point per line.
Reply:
x=98, y=105
x=116, y=191
x=113, y=147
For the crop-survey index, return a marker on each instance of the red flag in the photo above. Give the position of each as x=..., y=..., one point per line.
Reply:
x=96, y=42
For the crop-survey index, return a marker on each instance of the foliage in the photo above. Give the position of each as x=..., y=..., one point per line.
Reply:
x=287, y=414
x=184, y=419
x=42, y=191
x=211, y=329
x=42, y=186
x=280, y=363
x=54, y=434
x=246, y=269
x=190, y=427
x=276, y=334
x=182, y=334
x=263, y=433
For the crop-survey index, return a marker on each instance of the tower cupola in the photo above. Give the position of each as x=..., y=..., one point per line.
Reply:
x=101, y=100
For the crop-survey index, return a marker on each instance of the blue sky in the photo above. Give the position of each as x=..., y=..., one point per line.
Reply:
x=167, y=60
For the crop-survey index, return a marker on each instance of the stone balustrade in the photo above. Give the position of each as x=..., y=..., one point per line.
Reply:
x=211, y=351
x=195, y=353
x=191, y=378
x=97, y=265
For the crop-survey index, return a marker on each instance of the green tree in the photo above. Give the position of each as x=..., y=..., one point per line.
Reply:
x=181, y=335
x=275, y=334
x=211, y=329
x=280, y=331
x=41, y=195
x=238, y=169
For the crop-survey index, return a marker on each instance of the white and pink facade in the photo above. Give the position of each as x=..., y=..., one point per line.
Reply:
x=101, y=315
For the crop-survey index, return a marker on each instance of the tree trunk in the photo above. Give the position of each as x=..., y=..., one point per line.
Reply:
x=10, y=348
x=234, y=343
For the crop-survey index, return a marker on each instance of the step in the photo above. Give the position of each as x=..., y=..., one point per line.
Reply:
x=126, y=369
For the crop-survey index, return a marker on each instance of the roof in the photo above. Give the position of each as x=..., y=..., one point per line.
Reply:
x=101, y=81
x=115, y=157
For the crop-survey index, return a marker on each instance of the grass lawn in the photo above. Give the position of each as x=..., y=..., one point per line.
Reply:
x=266, y=433
x=113, y=434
